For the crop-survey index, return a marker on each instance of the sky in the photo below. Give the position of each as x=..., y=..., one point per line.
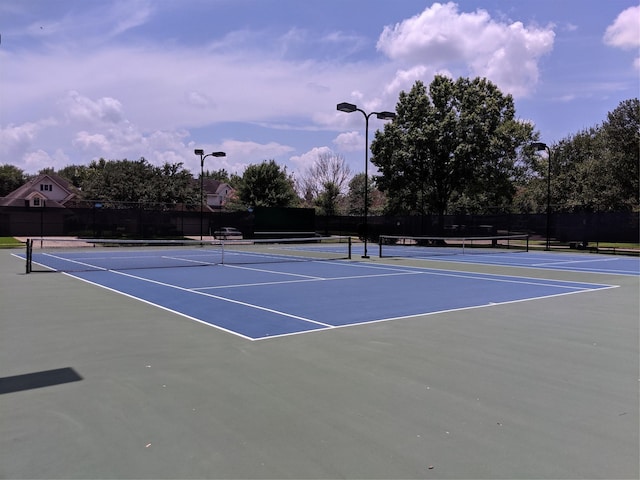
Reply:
x=260, y=79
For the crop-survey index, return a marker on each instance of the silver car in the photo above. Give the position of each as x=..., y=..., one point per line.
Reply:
x=227, y=233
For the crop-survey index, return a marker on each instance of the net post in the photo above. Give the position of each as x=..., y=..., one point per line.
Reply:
x=527, y=242
x=349, y=247
x=29, y=255
x=380, y=242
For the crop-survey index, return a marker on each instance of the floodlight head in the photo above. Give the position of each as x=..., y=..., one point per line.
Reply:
x=386, y=115
x=539, y=146
x=347, y=107
x=198, y=151
x=218, y=154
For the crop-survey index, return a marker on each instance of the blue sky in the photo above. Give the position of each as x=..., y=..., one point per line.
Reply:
x=260, y=79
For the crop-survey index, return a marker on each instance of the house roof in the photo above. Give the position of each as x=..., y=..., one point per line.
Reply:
x=212, y=186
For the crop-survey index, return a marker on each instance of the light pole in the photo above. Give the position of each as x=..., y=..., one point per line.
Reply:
x=199, y=151
x=348, y=108
x=539, y=146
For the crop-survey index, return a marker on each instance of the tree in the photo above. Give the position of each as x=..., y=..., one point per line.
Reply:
x=325, y=182
x=76, y=174
x=266, y=185
x=173, y=184
x=596, y=169
x=458, y=142
x=327, y=201
x=221, y=175
x=140, y=182
x=11, y=177
x=621, y=140
x=355, y=197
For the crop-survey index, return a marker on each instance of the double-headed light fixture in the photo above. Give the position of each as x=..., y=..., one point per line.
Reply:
x=349, y=108
x=199, y=151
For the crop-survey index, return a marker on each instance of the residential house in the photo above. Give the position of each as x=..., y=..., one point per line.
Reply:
x=38, y=207
x=45, y=190
x=217, y=193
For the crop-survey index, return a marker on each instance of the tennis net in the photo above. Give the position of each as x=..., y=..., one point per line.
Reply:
x=411, y=246
x=74, y=255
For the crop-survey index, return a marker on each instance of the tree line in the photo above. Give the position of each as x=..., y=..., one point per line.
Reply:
x=455, y=147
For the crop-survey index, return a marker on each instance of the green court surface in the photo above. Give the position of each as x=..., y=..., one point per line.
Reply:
x=95, y=384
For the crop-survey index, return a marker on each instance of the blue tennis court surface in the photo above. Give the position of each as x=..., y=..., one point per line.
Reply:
x=271, y=293
x=263, y=301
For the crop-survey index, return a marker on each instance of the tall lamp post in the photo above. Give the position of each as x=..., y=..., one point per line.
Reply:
x=349, y=108
x=199, y=151
x=539, y=146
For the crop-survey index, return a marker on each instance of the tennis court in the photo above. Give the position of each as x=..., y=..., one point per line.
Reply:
x=319, y=365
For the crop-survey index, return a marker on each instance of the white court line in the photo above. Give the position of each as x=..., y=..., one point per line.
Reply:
x=188, y=260
x=496, y=277
x=400, y=271
x=95, y=267
x=537, y=282
x=564, y=262
x=224, y=299
x=256, y=284
x=462, y=261
x=167, y=309
x=253, y=269
x=425, y=314
x=318, y=279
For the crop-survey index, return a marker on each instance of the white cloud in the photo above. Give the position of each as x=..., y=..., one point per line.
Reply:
x=128, y=14
x=307, y=159
x=624, y=32
x=404, y=79
x=16, y=140
x=98, y=24
x=507, y=54
x=125, y=140
x=350, y=141
x=91, y=142
x=110, y=112
x=39, y=159
x=240, y=154
x=103, y=110
x=200, y=99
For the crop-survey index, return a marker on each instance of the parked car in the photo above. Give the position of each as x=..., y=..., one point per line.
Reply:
x=227, y=233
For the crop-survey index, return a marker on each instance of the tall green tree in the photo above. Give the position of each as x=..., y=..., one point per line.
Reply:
x=355, y=197
x=139, y=181
x=621, y=132
x=11, y=177
x=596, y=169
x=266, y=185
x=458, y=141
x=221, y=175
x=328, y=199
x=174, y=184
x=76, y=174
